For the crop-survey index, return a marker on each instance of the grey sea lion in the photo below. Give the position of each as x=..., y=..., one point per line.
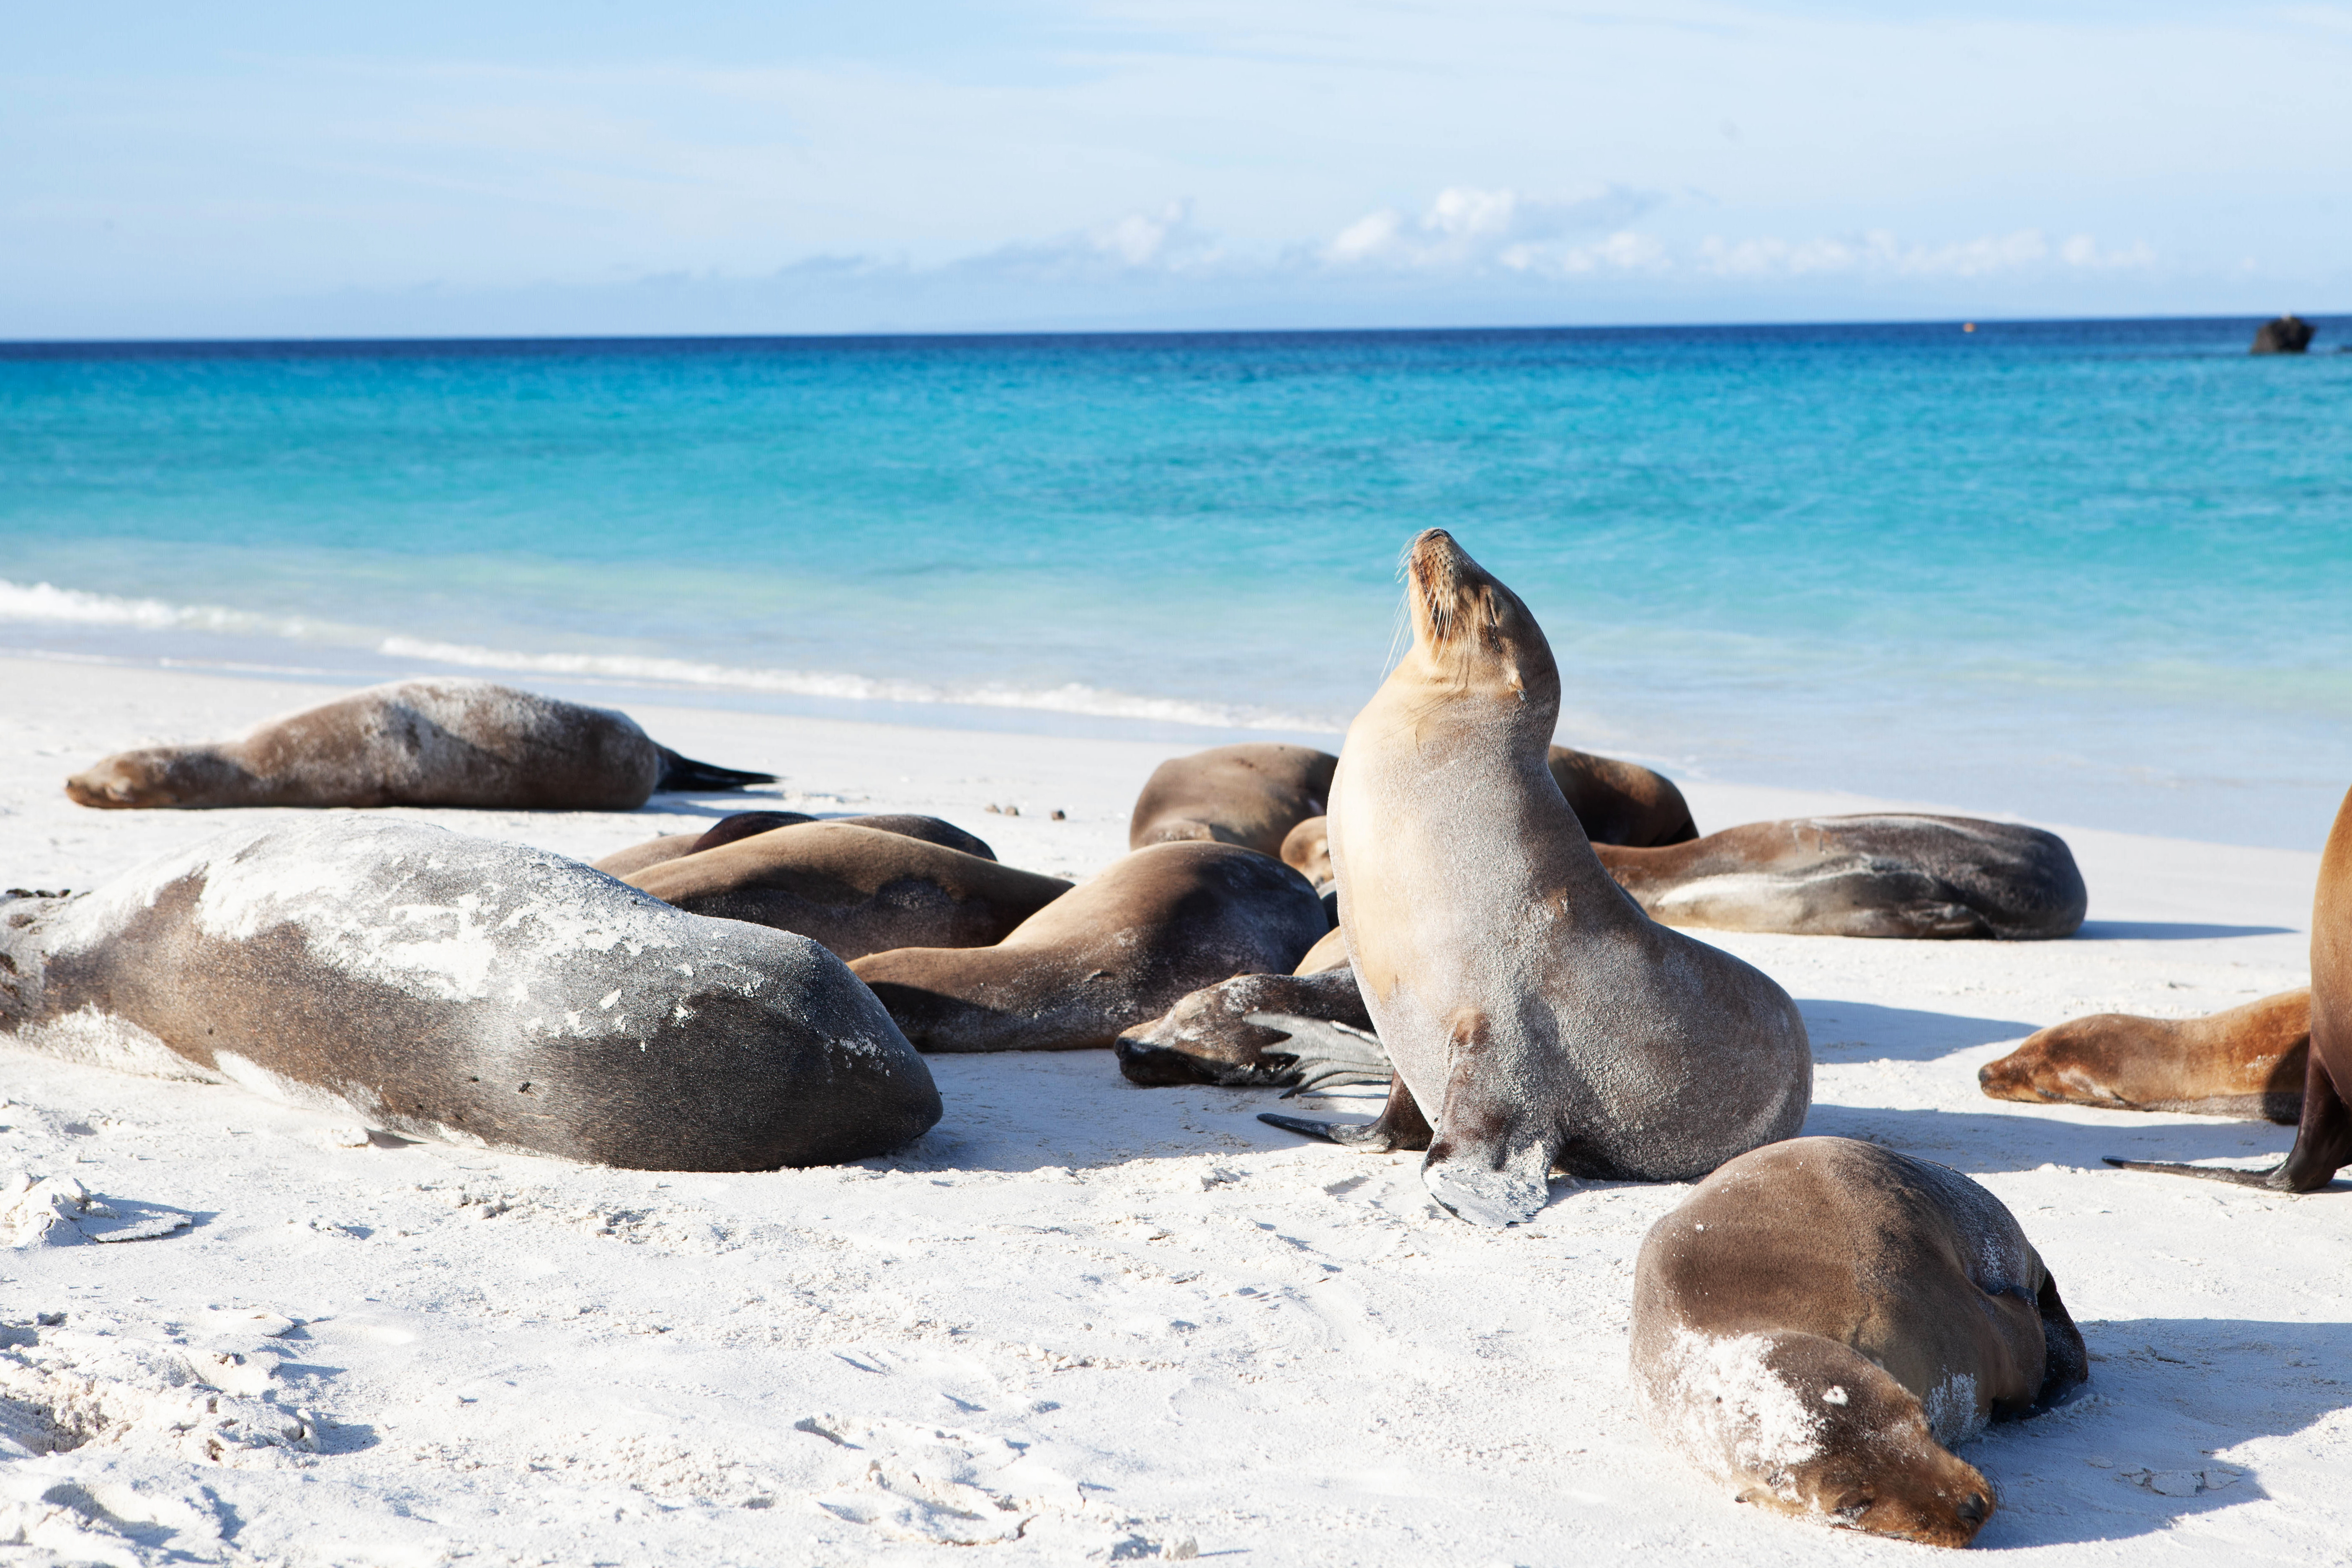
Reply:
x=1821, y=1320
x=1151, y=927
x=2248, y=1062
x=455, y=987
x=2323, y=1133
x=856, y=890
x=1537, y=1018
x=449, y=743
x=1251, y=795
x=745, y=824
x=1882, y=875
x=1620, y=802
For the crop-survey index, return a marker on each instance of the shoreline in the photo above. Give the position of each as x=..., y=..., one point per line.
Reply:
x=1077, y=1310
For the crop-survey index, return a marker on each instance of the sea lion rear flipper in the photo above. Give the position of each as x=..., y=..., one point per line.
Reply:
x=1400, y=1125
x=2066, y=1361
x=684, y=773
x=2322, y=1144
x=1326, y=1052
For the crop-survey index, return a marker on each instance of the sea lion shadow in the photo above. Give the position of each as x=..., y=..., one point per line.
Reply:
x=2168, y=930
x=1990, y=1140
x=2136, y=1451
x=1865, y=1031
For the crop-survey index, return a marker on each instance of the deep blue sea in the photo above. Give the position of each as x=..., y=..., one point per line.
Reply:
x=2091, y=572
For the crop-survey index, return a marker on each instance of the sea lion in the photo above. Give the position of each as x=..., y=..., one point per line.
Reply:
x=1883, y=875
x=1306, y=849
x=2323, y=1133
x=1536, y=1015
x=440, y=741
x=1251, y=795
x=744, y=824
x=1151, y=927
x=1820, y=1320
x=454, y=987
x=1240, y=1032
x=2247, y=1062
x=855, y=889
x=1621, y=802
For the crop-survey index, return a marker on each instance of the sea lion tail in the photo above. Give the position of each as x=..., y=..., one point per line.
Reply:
x=685, y=774
x=2269, y=1178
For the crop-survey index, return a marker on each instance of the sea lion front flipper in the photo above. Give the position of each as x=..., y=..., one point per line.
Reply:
x=1400, y=1125
x=1326, y=1052
x=1490, y=1158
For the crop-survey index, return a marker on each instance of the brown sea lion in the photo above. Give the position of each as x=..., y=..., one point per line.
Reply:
x=462, y=988
x=1621, y=802
x=1538, y=1019
x=1251, y=795
x=744, y=824
x=1882, y=875
x=1306, y=849
x=1149, y=930
x=2323, y=1133
x=1254, y=1031
x=1821, y=1320
x=855, y=889
x=2247, y=1062
x=446, y=743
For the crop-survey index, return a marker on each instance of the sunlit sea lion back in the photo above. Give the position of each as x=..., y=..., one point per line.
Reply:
x=1536, y=1016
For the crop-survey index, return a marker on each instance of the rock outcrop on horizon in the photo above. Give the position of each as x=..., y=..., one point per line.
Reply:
x=2290, y=334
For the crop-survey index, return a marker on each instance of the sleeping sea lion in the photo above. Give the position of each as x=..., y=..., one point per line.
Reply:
x=744, y=824
x=1621, y=802
x=1820, y=1320
x=2247, y=1062
x=1154, y=926
x=1883, y=875
x=2323, y=1133
x=855, y=889
x=1251, y=795
x=453, y=988
x=414, y=742
x=1538, y=1019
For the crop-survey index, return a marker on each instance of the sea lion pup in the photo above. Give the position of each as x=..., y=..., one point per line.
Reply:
x=1246, y=1032
x=855, y=889
x=1621, y=802
x=1820, y=1320
x=454, y=987
x=1883, y=875
x=744, y=824
x=1536, y=1017
x=1250, y=794
x=2323, y=1133
x=1149, y=930
x=2247, y=1062
x=414, y=742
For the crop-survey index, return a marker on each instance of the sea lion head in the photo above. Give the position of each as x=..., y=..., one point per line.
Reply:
x=1874, y=1464
x=153, y=777
x=1472, y=638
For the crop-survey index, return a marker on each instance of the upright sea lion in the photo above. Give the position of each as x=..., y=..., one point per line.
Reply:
x=2323, y=1134
x=1536, y=1017
x=2250, y=1061
x=1126, y=945
x=1883, y=875
x=414, y=742
x=1621, y=802
x=1251, y=795
x=455, y=987
x=744, y=824
x=855, y=889
x=1820, y=1320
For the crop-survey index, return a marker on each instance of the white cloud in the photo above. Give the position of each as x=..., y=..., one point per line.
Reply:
x=1879, y=252
x=1469, y=229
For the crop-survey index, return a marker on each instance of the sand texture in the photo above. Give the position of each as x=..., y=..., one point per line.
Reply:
x=1078, y=1320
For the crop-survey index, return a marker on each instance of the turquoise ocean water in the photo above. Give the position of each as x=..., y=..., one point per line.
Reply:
x=2093, y=572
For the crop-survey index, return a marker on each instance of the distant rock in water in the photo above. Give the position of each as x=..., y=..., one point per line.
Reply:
x=2289, y=334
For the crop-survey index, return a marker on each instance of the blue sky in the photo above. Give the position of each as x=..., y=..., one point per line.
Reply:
x=524, y=168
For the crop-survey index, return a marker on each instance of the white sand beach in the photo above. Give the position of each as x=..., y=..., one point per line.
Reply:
x=1081, y=1320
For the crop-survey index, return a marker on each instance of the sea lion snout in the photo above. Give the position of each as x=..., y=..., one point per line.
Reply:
x=124, y=782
